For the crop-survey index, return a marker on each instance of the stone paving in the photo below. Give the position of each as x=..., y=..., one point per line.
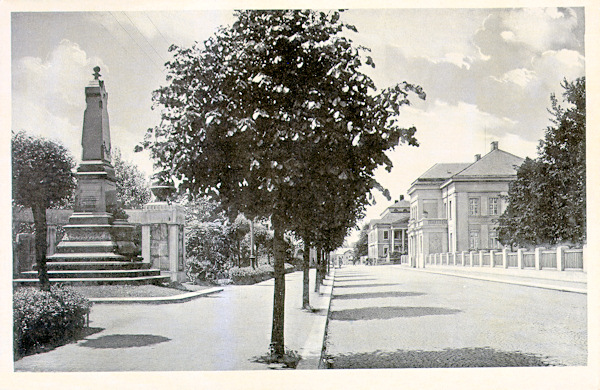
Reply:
x=389, y=317
x=222, y=331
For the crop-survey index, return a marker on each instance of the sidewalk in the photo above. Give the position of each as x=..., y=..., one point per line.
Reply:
x=560, y=283
x=222, y=331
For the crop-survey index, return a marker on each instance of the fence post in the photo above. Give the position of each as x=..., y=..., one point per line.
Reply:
x=462, y=258
x=481, y=258
x=471, y=258
x=520, y=258
x=538, y=258
x=504, y=258
x=454, y=258
x=584, y=258
x=492, y=258
x=560, y=258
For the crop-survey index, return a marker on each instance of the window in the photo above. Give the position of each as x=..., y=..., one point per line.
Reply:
x=494, y=206
x=473, y=239
x=494, y=243
x=385, y=235
x=445, y=211
x=450, y=210
x=396, y=234
x=473, y=206
x=385, y=251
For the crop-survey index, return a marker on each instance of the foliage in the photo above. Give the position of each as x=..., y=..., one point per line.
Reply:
x=132, y=186
x=46, y=318
x=547, y=201
x=361, y=247
x=249, y=275
x=41, y=171
x=41, y=178
x=274, y=114
x=207, y=233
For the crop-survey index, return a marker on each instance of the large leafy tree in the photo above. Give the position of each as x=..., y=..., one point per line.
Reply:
x=547, y=200
x=132, y=186
x=249, y=114
x=42, y=177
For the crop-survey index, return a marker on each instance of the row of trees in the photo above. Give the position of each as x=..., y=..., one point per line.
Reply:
x=275, y=117
x=547, y=202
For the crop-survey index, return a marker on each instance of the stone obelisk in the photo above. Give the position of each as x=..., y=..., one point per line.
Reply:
x=97, y=247
x=95, y=199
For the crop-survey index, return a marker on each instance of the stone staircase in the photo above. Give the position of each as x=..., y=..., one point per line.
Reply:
x=108, y=260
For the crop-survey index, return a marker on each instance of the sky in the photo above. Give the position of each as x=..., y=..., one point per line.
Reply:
x=488, y=75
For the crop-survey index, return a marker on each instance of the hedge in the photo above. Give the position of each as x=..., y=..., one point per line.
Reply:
x=46, y=318
x=249, y=275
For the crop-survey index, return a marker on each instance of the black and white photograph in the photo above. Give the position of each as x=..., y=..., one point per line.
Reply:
x=248, y=195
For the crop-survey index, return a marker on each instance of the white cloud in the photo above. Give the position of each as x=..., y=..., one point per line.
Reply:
x=522, y=77
x=48, y=96
x=541, y=28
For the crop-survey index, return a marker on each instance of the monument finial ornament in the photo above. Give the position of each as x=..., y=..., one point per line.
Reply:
x=97, y=73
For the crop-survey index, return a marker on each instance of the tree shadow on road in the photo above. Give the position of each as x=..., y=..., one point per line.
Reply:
x=382, y=294
x=367, y=285
x=124, y=341
x=388, y=312
x=449, y=357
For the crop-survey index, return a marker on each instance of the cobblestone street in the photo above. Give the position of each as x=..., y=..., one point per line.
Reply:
x=390, y=317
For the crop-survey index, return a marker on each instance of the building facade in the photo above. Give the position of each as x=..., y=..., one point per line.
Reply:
x=454, y=207
x=388, y=236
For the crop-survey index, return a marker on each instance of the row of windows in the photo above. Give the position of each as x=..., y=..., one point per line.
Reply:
x=493, y=206
x=474, y=242
x=474, y=208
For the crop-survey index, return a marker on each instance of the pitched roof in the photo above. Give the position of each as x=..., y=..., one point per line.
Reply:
x=495, y=163
x=443, y=171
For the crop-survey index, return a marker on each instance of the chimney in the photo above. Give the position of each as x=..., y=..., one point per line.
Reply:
x=477, y=157
x=494, y=145
x=401, y=197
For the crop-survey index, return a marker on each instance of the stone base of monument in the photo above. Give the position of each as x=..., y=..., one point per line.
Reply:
x=96, y=250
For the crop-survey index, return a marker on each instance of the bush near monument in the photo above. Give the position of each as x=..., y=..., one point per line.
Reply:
x=44, y=319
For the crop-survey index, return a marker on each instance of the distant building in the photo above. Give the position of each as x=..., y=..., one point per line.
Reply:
x=454, y=207
x=388, y=236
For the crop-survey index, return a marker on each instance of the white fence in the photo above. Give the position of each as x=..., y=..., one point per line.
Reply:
x=561, y=258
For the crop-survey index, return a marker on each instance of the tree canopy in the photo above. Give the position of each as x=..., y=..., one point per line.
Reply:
x=270, y=108
x=42, y=176
x=132, y=186
x=547, y=202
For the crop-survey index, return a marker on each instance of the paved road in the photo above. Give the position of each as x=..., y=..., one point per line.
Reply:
x=218, y=332
x=387, y=316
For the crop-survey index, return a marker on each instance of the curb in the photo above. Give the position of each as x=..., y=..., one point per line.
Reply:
x=157, y=300
x=507, y=281
x=312, y=352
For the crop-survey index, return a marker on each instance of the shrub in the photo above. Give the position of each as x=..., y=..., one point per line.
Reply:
x=46, y=318
x=249, y=275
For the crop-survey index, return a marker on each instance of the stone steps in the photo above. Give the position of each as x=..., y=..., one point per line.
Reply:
x=97, y=281
x=87, y=256
x=93, y=274
x=95, y=265
x=86, y=247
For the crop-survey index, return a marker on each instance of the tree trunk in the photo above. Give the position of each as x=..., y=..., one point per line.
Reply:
x=277, y=340
x=305, y=276
x=41, y=231
x=319, y=270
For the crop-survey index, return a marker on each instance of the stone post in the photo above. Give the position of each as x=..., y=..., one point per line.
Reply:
x=560, y=258
x=492, y=258
x=481, y=258
x=538, y=258
x=505, y=258
x=146, y=243
x=471, y=258
x=520, y=258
